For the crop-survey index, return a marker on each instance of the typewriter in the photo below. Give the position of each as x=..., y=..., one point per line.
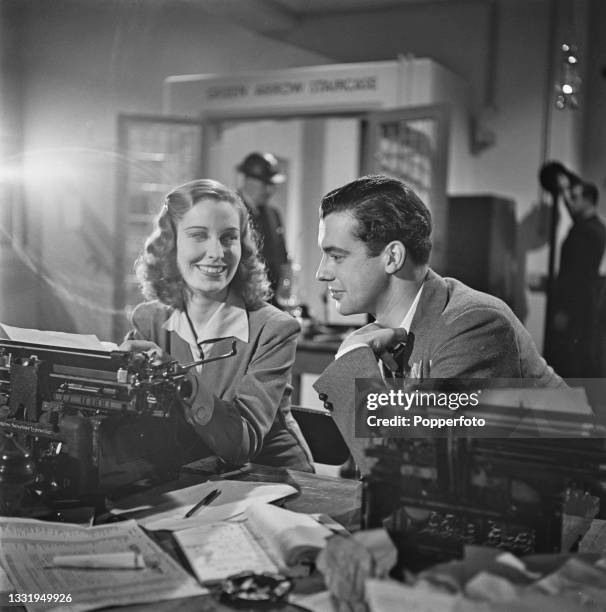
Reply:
x=93, y=421
x=435, y=495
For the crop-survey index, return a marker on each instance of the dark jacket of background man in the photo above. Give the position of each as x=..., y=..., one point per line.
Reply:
x=260, y=175
x=576, y=307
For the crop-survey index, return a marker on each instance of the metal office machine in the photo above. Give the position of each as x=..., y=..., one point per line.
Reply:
x=93, y=421
x=507, y=487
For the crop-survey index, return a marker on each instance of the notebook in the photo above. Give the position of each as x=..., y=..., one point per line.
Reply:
x=268, y=539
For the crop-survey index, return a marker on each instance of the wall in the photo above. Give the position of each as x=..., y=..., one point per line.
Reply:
x=594, y=149
x=505, y=50
x=83, y=63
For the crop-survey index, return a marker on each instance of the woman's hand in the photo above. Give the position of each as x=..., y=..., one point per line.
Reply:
x=151, y=349
x=199, y=401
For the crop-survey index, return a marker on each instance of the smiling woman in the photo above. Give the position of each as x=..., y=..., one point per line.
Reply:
x=201, y=270
x=208, y=249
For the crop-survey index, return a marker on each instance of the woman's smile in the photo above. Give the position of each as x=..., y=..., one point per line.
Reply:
x=214, y=270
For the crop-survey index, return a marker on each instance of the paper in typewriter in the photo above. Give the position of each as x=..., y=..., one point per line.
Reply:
x=269, y=539
x=27, y=548
x=56, y=339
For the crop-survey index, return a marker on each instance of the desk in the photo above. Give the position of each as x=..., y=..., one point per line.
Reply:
x=339, y=498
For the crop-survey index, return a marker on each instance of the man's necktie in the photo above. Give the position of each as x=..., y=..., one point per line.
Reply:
x=401, y=355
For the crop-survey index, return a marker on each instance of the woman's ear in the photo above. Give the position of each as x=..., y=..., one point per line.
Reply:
x=395, y=256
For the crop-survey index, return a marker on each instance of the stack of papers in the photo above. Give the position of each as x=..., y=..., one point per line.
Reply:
x=168, y=510
x=267, y=539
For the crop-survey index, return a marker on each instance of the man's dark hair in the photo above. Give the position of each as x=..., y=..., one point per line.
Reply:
x=386, y=209
x=591, y=193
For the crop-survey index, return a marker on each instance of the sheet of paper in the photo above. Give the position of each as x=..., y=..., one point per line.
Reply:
x=220, y=550
x=5, y=582
x=27, y=548
x=568, y=401
x=167, y=510
x=487, y=587
x=594, y=541
x=388, y=595
x=575, y=575
x=51, y=338
x=317, y=602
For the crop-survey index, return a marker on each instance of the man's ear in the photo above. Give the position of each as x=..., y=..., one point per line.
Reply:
x=394, y=256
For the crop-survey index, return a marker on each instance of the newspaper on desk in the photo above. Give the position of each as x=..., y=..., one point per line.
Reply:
x=27, y=549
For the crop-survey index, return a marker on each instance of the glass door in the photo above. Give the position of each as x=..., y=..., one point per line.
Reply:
x=412, y=144
x=156, y=153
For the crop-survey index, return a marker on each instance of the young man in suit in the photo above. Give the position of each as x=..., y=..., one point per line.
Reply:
x=375, y=240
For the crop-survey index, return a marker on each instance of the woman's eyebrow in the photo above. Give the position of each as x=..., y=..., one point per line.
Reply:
x=231, y=228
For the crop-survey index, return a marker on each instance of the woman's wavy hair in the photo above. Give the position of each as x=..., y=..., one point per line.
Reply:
x=156, y=267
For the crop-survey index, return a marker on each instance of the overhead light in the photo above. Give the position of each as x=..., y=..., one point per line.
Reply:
x=569, y=83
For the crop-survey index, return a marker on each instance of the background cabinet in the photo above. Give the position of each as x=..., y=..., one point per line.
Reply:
x=482, y=249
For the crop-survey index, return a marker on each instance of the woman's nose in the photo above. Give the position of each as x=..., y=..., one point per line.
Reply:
x=215, y=248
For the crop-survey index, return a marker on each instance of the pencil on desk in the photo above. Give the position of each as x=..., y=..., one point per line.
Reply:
x=120, y=560
x=205, y=501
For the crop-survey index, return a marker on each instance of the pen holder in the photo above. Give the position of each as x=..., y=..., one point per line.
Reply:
x=17, y=472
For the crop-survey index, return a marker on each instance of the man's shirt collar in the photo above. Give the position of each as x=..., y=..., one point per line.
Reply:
x=407, y=320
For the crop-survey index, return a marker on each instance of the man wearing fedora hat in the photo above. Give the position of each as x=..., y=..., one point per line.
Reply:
x=260, y=175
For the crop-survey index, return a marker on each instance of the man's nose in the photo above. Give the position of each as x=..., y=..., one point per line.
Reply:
x=323, y=272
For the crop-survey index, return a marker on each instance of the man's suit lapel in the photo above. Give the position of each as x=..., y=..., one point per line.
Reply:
x=432, y=303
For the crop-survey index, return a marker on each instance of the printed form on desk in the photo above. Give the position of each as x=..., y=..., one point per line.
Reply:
x=167, y=510
x=28, y=547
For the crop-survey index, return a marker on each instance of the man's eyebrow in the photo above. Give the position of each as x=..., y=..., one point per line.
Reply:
x=333, y=250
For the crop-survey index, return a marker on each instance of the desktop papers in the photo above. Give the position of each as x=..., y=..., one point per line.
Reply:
x=167, y=510
x=268, y=539
x=27, y=549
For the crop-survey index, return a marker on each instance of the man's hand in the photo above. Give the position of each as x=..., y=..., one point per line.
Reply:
x=563, y=182
x=151, y=349
x=381, y=340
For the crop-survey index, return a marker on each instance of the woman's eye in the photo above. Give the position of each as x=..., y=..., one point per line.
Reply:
x=230, y=238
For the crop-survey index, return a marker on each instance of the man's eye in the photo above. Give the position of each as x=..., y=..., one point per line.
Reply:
x=335, y=257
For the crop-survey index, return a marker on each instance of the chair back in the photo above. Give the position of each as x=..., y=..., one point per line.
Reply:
x=322, y=434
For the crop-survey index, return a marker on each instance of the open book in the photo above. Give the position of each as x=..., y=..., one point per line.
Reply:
x=269, y=539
